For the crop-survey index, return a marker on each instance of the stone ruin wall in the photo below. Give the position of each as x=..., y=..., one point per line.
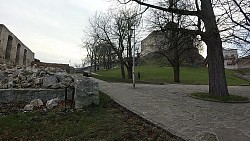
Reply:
x=44, y=82
x=23, y=84
x=65, y=67
x=12, y=50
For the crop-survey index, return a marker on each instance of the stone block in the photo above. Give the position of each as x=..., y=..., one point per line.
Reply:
x=28, y=107
x=38, y=81
x=26, y=85
x=52, y=103
x=67, y=80
x=36, y=102
x=2, y=76
x=49, y=81
x=60, y=76
x=86, y=92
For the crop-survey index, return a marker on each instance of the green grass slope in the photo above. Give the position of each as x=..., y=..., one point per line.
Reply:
x=188, y=75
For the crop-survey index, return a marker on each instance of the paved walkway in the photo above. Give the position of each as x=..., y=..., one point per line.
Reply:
x=192, y=119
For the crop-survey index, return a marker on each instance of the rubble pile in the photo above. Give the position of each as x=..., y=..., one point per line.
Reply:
x=34, y=77
x=37, y=103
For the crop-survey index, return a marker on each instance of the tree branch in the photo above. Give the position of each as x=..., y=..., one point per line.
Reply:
x=177, y=11
x=245, y=40
x=241, y=10
x=188, y=31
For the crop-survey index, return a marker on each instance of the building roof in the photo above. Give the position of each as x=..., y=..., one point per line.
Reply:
x=150, y=34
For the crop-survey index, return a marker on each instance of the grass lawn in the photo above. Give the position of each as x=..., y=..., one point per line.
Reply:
x=108, y=121
x=188, y=75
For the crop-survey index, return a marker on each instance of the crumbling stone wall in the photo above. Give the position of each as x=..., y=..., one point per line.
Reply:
x=65, y=67
x=34, y=77
x=12, y=50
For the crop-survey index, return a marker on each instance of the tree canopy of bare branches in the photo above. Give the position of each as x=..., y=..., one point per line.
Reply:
x=201, y=21
x=174, y=45
x=115, y=29
x=237, y=19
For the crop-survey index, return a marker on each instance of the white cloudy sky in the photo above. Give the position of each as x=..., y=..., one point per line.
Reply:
x=53, y=29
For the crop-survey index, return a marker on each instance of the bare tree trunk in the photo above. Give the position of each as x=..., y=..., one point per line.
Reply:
x=91, y=62
x=130, y=68
x=122, y=70
x=95, y=66
x=95, y=61
x=176, y=74
x=176, y=58
x=176, y=64
x=217, y=77
x=108, y=63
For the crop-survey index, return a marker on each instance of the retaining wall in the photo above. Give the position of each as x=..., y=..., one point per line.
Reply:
x=10, y=95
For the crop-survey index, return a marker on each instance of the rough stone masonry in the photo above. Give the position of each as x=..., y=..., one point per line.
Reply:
x=12, y=50
x=86, y=92
x=28, y=83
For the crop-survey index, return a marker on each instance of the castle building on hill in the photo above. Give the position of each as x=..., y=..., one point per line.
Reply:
x=148, y=44
x=159, y=39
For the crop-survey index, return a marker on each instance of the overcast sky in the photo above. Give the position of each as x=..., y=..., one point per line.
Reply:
x=52, y=29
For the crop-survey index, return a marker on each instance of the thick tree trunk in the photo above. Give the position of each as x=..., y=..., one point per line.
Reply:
x=176, y=67
x=130, y=69
x=109, y=62
x=176, y=74
x=122, y=70
x=176, y=60
x=217, y=77
x=95, y=64
x=216, y=71
x=91, y=63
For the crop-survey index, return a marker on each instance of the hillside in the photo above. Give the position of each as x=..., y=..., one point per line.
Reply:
x=188, y=75
x=192, y=59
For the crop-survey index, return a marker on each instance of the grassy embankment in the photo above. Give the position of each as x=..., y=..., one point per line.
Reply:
x=188, y=75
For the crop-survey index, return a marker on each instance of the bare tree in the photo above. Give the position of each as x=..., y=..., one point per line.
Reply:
x=201, y=14
x=105, y=56
x=174, y=45
x=90, y=45
x=102, y=29
x=237, y=15
x=115, y=30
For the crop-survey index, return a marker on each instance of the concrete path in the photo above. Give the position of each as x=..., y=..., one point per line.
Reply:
x=169, y=107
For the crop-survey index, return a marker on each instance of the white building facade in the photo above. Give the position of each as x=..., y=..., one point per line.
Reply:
x=230, y=58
